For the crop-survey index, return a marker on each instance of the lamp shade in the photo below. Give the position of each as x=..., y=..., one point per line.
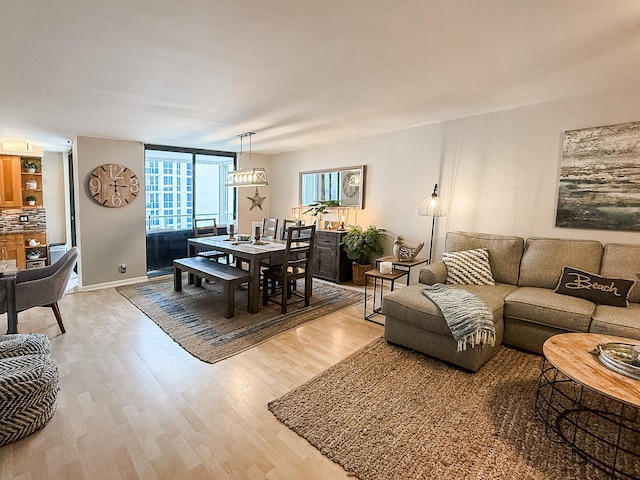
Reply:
x=432, y=205
x=251, y=177
x=296, y=213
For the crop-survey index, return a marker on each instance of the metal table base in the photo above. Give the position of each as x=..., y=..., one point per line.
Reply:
x=602, y=431
x=377, y=275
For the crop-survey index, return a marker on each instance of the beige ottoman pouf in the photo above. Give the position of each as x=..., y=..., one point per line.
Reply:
x=28, y=389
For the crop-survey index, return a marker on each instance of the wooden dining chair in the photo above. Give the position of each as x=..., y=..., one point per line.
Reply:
x=269, y=228
x=279, y=281
x=286, y=223
x=207, y=227
x=269, y=232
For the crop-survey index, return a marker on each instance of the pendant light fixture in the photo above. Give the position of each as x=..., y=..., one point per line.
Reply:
x=247, y=177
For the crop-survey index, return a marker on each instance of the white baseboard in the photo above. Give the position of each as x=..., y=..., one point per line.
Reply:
x=118, y=283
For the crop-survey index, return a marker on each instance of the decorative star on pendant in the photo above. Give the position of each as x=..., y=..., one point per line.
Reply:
x=256, y=200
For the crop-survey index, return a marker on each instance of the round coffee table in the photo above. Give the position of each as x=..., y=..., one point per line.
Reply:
x=590, y=407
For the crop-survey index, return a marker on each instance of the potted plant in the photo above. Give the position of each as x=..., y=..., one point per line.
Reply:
x=31, y=200
x=362, y=246
x=319, y=208
x=30, y=166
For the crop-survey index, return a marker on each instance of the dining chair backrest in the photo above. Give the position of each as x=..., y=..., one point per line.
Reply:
x=205, y=227
x=298, y=253
x=281, y=278
x=270, y=228
x=286, y=223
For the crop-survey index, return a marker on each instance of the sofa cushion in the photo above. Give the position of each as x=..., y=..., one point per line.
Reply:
x=544, y=259
x=505, y=252
x=545, y=307
x=409, y=304
x=468, y=267
x=592, y=287
x=622, y=260
x=622, y=322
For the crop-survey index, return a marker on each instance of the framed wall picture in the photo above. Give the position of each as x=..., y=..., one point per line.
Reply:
x=599, y=186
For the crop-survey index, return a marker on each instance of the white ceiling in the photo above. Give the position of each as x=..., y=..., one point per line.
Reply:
x=197, y=73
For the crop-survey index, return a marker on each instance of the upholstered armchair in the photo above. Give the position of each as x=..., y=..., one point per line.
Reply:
x=44, y=287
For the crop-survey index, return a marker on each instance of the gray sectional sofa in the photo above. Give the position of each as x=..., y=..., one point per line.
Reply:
x=526, y=310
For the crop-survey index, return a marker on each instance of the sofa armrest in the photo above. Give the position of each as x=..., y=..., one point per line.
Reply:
x=434, y=273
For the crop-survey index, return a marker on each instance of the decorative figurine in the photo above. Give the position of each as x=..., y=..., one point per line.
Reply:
x=404, y=251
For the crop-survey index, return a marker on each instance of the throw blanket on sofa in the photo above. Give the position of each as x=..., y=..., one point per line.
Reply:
x=468, y=317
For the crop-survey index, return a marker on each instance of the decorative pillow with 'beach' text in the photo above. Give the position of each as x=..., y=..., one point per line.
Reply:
x=601, y=290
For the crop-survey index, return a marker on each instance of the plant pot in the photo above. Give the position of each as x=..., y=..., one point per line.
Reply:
x=358, y=273
x=31, y=170
x=31, y=202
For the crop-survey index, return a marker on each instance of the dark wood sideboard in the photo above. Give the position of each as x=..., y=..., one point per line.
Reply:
x=331, y=262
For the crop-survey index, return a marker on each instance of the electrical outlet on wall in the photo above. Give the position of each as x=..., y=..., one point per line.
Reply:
x=23, y=218
x=123, y=268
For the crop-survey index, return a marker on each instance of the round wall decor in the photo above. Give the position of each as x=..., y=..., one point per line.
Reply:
x=348, y=187
x=113, y=185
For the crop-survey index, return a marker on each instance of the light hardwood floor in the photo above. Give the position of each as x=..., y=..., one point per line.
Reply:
x=133, y=404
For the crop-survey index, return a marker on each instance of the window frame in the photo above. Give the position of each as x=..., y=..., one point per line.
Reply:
x=194, y=152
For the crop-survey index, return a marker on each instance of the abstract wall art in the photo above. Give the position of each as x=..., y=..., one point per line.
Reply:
x=599, y=185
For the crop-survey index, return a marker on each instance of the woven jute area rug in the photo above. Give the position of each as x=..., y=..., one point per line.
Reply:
x=390, y=413
x=194, y=317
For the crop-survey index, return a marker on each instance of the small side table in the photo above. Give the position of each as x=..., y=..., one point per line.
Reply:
x=400, y=265
x=376, y=275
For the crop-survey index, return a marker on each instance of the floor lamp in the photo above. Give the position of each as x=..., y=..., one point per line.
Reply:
x=432, y=207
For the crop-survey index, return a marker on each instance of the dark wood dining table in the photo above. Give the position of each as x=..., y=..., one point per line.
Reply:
x=248, y=252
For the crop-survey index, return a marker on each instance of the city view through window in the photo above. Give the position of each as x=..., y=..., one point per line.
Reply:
x=183, y=185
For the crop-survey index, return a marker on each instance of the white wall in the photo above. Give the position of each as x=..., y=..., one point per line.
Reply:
x=245, y=214
x=497, y=173
x=108, y=237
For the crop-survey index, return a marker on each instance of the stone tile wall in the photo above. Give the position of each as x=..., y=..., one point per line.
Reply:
x=10, y=220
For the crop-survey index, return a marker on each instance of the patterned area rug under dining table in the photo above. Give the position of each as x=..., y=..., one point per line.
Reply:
x=194, y=317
